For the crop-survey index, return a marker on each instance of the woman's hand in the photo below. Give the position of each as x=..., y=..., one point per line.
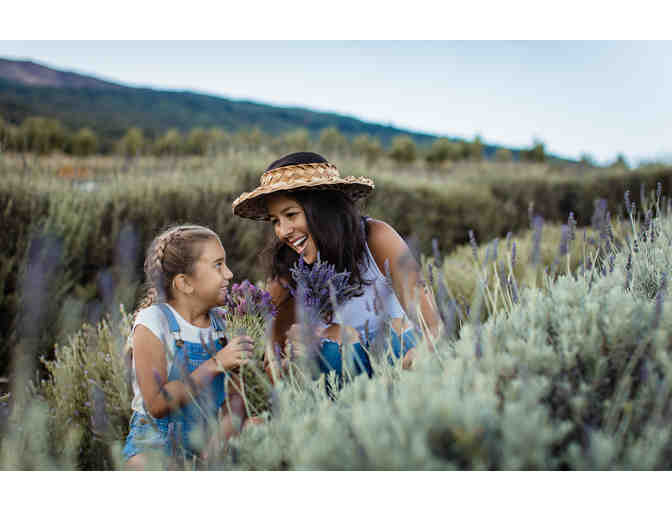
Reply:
x=295, y=347
x=236, y=353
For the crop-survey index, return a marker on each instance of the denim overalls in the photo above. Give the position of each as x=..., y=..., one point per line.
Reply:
x=172, y=431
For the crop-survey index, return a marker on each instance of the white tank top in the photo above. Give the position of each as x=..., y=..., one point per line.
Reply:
x=378, y=304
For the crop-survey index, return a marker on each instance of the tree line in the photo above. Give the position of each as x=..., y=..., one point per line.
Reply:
x=42, y=135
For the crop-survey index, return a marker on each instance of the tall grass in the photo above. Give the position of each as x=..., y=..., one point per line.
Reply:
x=558, y=359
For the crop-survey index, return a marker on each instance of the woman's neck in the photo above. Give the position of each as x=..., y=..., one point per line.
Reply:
x=194, y=314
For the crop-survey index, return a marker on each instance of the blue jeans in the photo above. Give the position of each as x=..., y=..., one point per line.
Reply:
x=331, y=358
x=171, y=433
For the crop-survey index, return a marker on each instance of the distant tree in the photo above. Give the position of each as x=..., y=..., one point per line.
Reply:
x=132, y=143
x=368, y=147
x=503, y=155
x=332, y=141
x=476, y=149
x=168, y=144
x=252, y=139
x=42, y=135
x=4, y=135
x=537, y=154
x=84, y=142
x=620, y=162
x=403, y=149
x=587, y=160
x=296, y=140
x=197, y=142
x=220, y=140
x=442, y=150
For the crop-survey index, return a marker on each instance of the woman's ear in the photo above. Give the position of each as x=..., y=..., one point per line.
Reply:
x=181, y=284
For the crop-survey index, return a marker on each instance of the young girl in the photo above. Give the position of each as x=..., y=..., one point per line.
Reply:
x=312, y=209
x=175, y=330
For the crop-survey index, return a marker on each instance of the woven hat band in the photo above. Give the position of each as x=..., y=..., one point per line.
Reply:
x=305, y=172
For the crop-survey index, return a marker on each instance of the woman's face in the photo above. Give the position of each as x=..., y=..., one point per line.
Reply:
x=291, y=227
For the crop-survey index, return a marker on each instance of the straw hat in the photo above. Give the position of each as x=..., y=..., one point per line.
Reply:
x=314, y=176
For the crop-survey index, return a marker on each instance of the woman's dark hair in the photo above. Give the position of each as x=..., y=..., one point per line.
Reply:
x=335, y=224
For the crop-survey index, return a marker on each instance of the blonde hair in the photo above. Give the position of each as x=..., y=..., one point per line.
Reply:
x=175, y=251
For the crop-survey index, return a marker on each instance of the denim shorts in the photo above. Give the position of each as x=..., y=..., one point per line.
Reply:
x=142, y=435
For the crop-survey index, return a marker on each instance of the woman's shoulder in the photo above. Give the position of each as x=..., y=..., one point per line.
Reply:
x=384, y=242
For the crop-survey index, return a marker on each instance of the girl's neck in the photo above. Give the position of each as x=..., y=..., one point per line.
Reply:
x=192, y=313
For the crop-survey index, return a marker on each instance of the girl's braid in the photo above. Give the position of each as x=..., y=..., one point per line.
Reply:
x=154, y=268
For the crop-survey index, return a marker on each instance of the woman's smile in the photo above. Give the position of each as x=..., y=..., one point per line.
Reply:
x=289, y=223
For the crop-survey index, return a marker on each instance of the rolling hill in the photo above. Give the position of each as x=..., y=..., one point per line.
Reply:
x=30, y=89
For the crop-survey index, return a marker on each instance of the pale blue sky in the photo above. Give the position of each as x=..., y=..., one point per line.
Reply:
x=602, y=98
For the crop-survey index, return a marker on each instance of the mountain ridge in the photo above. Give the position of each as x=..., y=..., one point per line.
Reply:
x=28, y=88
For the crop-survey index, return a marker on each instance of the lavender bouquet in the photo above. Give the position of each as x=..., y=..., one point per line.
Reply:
x=318, y=290
x=248, y=310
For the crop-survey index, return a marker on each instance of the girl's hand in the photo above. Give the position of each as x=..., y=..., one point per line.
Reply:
x=236, y=353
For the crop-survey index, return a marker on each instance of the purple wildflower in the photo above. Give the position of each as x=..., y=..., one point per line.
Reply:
x=245, y=298
x=538, y=225
x=564, y=241
x=628, y=204
x=474, y=245
x=312, y=288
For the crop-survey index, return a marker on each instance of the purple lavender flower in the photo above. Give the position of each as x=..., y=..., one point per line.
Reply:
x=474, y=245
x=319, y=287
x=245, y=298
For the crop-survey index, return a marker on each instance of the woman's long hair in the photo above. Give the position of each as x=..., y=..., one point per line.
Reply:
x=335, y=224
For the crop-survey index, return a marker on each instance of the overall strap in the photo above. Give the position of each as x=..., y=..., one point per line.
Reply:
x=216, y=321
x=172, y=322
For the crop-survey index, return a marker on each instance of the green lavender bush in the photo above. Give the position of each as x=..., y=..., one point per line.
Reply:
x=576, y=374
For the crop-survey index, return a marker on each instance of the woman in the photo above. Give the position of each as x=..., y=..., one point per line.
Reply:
x=312, y=209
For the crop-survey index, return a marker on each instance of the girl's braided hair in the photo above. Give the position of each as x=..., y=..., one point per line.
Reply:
x=175, y=251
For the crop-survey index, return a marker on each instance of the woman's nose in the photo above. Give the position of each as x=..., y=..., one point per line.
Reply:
x=285, y=229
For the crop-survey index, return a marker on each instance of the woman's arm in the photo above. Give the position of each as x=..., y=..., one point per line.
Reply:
x=161, y=397
x=387, y=245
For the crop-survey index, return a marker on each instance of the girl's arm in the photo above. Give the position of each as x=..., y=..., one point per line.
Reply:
x=387, y=245
x=161, y=397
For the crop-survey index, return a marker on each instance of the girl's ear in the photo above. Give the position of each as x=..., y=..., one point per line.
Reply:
x=181, y=284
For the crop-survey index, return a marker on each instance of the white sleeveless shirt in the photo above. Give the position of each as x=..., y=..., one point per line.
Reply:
x=378, y=304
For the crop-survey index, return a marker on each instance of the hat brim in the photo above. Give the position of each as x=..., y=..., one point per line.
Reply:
x=252, y=205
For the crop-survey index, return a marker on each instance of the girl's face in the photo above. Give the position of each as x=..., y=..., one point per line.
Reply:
x=211, y=275
x=291, y=227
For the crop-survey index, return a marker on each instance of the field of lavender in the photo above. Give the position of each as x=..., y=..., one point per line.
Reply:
x=554, y=353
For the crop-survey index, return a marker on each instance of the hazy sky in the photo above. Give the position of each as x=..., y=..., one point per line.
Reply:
x=595, y=97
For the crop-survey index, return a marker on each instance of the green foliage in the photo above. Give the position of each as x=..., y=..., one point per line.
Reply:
x=443, y=150
x=331, y=141
x=571, y=370
x=40, y=135
x=620, y=162
x=367, y=147
x=536, y=154
x=503, y=155
x=88, y=392
x=296, y=140
x=403, y=149
x=587, y=160
x=84, y=143
x=476, y=149
x=132, y=143
x=168, y=144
